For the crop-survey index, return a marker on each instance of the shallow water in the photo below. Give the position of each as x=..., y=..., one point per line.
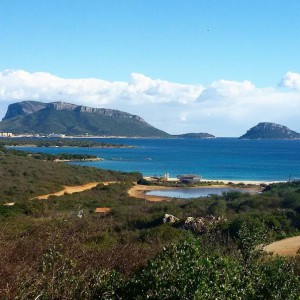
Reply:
x=187, y=193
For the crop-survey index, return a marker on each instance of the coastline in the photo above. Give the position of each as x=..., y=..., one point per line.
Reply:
x=51, y=146
x=225, y=181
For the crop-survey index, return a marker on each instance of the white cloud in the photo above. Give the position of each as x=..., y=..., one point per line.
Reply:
x=21, y=85
x=224, y=108
x=158, y=91
x=291, y=80
x=226, y=89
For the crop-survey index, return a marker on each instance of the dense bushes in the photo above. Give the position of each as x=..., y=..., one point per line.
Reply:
x=190, y=269
x=22, y=178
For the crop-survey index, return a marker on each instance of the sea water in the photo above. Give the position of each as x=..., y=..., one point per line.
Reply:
x=220, y=158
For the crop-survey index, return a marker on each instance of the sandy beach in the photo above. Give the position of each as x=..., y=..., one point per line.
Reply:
x=225, y=181
x=254, y=182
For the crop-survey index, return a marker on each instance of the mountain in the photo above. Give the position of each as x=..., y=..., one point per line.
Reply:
x=267, y=130
x=199, y=135
x=71, y=119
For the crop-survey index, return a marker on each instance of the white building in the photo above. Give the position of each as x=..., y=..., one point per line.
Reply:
x=189, y=178
x=6, y=134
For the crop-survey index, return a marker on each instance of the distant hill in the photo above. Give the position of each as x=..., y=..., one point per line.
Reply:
x=71, y=119
x=267, y=130
x=199, y=135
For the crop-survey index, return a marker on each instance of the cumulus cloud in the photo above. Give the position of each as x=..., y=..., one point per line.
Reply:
x=223, y=108
x=221, y=89
x=291, y=80
x=157, y=91
x=22, y=85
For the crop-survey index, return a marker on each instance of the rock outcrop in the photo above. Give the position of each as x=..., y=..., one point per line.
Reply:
x=197, y=225
x=202, y=225
x=169, y=219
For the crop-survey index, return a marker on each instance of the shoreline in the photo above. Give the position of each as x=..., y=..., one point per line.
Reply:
x=78, y=160
x=100, y=147
x=254, y=182
x=225, y=181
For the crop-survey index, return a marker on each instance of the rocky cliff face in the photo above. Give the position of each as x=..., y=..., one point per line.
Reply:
x=23, y=108
x=265, y=130
x=71, y=119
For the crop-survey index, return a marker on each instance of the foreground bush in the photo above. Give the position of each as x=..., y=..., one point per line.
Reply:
x=192, y=269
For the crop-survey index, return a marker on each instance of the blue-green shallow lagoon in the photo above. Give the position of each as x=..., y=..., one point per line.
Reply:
x=192, y=192
x=221, y=158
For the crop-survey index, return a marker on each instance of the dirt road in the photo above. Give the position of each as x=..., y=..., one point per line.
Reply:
x=73, y=189
x=285, y=247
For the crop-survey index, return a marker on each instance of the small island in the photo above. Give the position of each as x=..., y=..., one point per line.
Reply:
x=266, y=130
x=192, y=135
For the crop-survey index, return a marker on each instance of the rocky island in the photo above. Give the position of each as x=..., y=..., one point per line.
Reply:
x=266, y=130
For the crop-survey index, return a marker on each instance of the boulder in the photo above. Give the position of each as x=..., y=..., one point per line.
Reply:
x=169, y=219
x=195, y=224
x=202, y=225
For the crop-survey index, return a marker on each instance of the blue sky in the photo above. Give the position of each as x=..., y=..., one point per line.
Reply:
x=185, y=42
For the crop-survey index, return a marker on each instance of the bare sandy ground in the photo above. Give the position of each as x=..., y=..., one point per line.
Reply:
x=139, y=191
x=285, y=247
x=73, y=189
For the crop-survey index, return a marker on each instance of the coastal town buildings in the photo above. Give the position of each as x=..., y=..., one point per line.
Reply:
x=6, y=134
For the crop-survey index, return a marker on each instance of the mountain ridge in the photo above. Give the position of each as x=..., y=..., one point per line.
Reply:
x=71, y=119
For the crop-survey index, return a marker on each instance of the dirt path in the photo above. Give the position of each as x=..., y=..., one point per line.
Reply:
x=73, y=189
x=285, y=247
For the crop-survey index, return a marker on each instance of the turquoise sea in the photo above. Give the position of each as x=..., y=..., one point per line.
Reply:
x=220, y=158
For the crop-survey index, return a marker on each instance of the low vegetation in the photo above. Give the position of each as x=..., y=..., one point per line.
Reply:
x=61, y=249
x=50, y=142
